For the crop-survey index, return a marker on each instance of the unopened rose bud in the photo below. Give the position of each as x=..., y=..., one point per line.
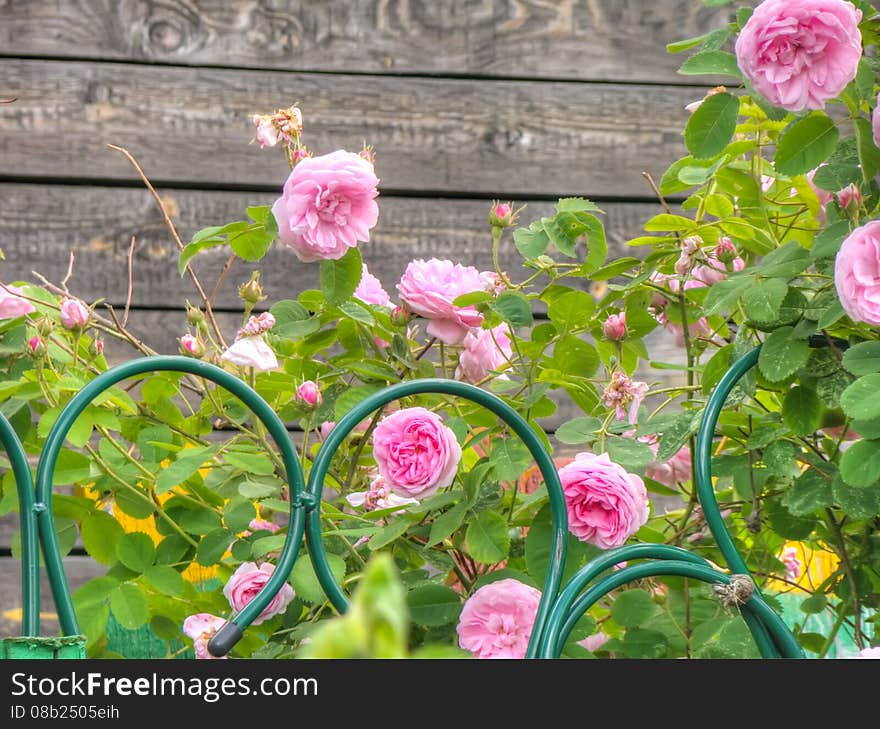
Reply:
x=502, y=215
x=850, y=197
x=44, y=326
x=308, y=394
x=300, y=153
x=36, y=346
x=251, y=292
x=368, y=153
x=725, y=251
x=98, y=347
x=74, y=314
x=400, y=316
x=194, y=315
x=614, y=327
x=191, y=346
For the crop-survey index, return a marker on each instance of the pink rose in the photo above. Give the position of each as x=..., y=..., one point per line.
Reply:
x=415, y=452
x=798, y=54
x=251, y=352
x=875, y=122
x=379, y=496
x=258, y=524
x=606, y=505
x=849, y=194
x=201, y=628
x=370, y=290
x=11, y=303
x=36, y=345
x=869, y=653
x=327, y=205
x=327, y=427
x=429, y=287
x=309, y=394
x=485, y=350
x=74, y=314
x=191, y=346
x=267, y=134
x=676, y=470
x=594, y=642
x=857, y=274
x=622, y=392
x=257, y=325
x=497, y=620
x=246, y=582
x=614, y=327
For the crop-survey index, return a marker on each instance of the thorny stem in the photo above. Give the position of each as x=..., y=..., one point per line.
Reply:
x=850, y=575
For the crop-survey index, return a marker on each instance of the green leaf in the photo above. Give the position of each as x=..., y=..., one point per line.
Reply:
x=576, y=205
x=195, y=247
x=711, y=127
x=71, y=467
x=100, y=533
x=779, y=457
x=726, y=293
x=642, y=643
x=831, y=314
x=531, y=242
x=863, y=358
x=188, y=462
x=292, y=320
x=510, y=458
x=786, y=524
x=136, y=551
x=433, y=605
x=488, y=539
x=572, y=309
x=213, y=546
x=305, y=581
x=251, y=245
x=579, y=430
x=714, y=63
x=666, y=222
x=340, y=278
x=388, y=533
x=199, y=520
x=860, y=400
x=869, y=155
x=806, y=144
x=445, y=524
x=574, y=356
x=763, y=301
x=514, y=308
x=258, y=464
x=238, y=516
x=814, y=604
x=166, y=580
x=860, y=464
x=633, y=608
x=628, y=452
x=677, y=433
x=827, y=243
x=784, y=262
x=802, y=410
x=811, y=491
x=129, y=606
x=93, y=592
x=782, y=354
x=856, y=501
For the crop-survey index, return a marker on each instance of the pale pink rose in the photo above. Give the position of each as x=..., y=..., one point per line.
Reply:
x=309, y=394
x=606, y=504
x=594, y=642
x=267, y=134
x=676, y=470
x=74, y=314
x=857, y=274
x=327, y=206
x=258, y=524
x=485, y=351
x=849, y=194
x=257, y=325
x=428, y=288
x=793, y=564
x=246, y=582
x=251, y=352
x=614, y=327
x=875, y=122
x=370, y=290
x=11, y=303
x=623, y=391
x=869, y=653
x=191, y=346
x=415, y=452
x=201, y=628
x=379, y=496
x=725, y=251
x=327, y=427
x=798, y=54
x=712, y=272
x=497, y=620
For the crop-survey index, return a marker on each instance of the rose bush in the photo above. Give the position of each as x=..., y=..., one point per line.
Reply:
x=765, y=233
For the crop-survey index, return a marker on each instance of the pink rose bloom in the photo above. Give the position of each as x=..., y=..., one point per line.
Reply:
x=251, y=352
x=594, y=642
x=798, y=54
x=246, y=582
x=11, y=303
x=201, y=628
x=606, y=505
x=258, y=524
x=497, y=620
x=327, y=427
x=849, y=194
x=676, y=470
x=370, y=290
x=793, y=564
x=623, y=391
x=712, y=272
x=429, y=287
x=614, y=327
x=327, y=205
x=257, y=325
x=36, y=345
x=379, y=496
x=415, y=452
x=74, y=314
x=875, y=122
x=190, y=345
x=309, y=394
x=267, y=134
x=485, y=350
x=857, y=274
x=869, y=653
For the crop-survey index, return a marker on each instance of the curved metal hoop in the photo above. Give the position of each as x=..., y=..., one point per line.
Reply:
x=55, y=441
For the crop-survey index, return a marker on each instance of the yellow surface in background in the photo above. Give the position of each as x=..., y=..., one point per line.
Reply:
x=817, y=566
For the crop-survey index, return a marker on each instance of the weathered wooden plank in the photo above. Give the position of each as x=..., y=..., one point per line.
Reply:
x=40, y=224
x=579, y=39
x=192, y=125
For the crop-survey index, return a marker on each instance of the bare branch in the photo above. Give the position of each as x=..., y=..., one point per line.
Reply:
x=69, y=271
x=130, y=283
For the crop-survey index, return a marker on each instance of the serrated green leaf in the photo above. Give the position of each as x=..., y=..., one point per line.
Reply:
x=510, y=458
x=487, y=538
x=433, y=605
x=782, y=354
x=860, y=400
x=129, y=606
x=862, y=358
x=806, y=144
x=860, y=464
x=166, y=580
x=710, y=128
x=445, y=524
x=514, y=308
x=869, y=154
x=714, y=63
x=388, y=534
x=100, y=534
x=136, y=551
x=762, y=302
x=340, y=278
x=305, y=581
x=632, y=608
x=802, y=410
x=811, y=491
x=579, y=430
